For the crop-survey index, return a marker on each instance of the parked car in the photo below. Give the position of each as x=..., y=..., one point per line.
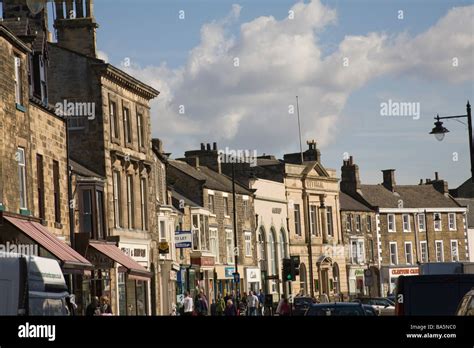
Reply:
x=438, y=294
x=370, y=311
x=301, y=305
x=466, y=306
x=383, y=306
x=339, y=309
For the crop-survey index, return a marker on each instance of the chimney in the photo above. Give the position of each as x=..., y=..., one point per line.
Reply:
x=214, y=146
x=157, y=145
x=389, y=179
x=207, y=157
x=208, y=147
x=203, y=147
x=350, y=180
x=440, y=185
x=76, y=29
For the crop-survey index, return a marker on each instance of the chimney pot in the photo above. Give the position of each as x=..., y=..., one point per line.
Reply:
x=389, y=179
x=214, y=146
x=436, y=176
x=203, y=147
x=208, y=147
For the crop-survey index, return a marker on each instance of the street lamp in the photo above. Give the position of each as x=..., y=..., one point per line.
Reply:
x=439, y=131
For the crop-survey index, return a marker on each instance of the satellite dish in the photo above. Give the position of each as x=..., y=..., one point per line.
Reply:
x=36, y=6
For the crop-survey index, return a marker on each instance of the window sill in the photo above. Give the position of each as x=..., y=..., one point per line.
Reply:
x=25, y=212
x=212, y=215
x=20, y=107
x=227, y=216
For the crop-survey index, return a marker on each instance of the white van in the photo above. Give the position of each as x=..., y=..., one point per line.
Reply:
x=31, y=285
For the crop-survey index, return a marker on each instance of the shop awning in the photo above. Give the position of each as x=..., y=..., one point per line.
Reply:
x=226, y=272
x=110, y=250
x=69, y=258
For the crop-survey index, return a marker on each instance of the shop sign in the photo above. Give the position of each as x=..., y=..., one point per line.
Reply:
x=183, y=239
x=276, y=210
x=136, y=251
x=253, y=275
x=359, y=272
x=173, y=275
x=203, y=261
x=396, y=272
x=229, y=272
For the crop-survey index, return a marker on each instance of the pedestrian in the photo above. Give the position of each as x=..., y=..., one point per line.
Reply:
x=261, y=302
x=283, y=298
x=213, y=308
x=252, y=304
x=105, y=308
x=285, y=309
x=201, y=305
x=188, y=304
x=230, y=310
x=93, y=307
x=220, y=305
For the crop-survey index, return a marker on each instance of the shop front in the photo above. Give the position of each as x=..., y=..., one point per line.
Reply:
x=253, y=279
x=225, y=279
x=391, y=274
x=204, y=266
x=170, y=272
x=356, y=281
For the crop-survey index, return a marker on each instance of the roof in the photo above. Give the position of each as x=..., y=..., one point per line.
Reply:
x=179, y=197
x=68, y=257
x=347, y=203
x=10, y=35
x=469, y=203
x=412, y=196
x=23, y=28
x=83, y=171
x=211, y=179
x=113, y=252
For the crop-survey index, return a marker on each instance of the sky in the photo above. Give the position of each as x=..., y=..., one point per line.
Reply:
x=229, y=72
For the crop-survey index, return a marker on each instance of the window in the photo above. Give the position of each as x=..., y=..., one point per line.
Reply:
x=358, y=222
x=329, y=221
x=211, y=203
x=272, y=254
x=229, y=246
x=86, y=212
x=246, y=207
x=297, y=219
x=369, y=223
x=248, y=244
x=226, y=206
x=117, y=188
x=391, y=223
x=40, y=184
x=163, y=230
x=113, y=120
x=348, y=222
x=357, y=251
x=57, y=193
x=143, y=203
x=372, y=250
x=424, y=251
x=100, y=214
x=141, y=132
x=196, y=244
x=18, y=81
x=130, y=213
x=408, y=253
x=282, y=244
x=454, y=251
x=214, y=243
x=452, y=221
x=127, y=125
x=261, y=242
x=20, y=157
x=422, y=222
x=312, y=219
x=200, y=232
x=393, y=253
x=406, y=223
x=437, y=221
x=439, y=251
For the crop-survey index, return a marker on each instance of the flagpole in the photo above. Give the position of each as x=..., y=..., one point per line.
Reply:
x=299, y=128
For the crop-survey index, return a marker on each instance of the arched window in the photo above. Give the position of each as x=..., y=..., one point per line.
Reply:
x=303, y=282
x=335, y=276
x=272, y=248
x=261, y=244
x=283, y=254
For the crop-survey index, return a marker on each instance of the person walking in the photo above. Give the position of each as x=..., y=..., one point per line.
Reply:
x=261, y=302
x=201, y=305
x=280, y=304
x=105, y=308
x=188, y=304
x=252, y=304
x=230, y=310
x=93, y=307
x=220, y=305
x=285, y=309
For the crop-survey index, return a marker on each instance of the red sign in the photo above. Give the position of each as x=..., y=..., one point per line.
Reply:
x=404, y=271
x=203, y=261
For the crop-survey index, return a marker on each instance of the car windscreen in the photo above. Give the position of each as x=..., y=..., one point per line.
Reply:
x=47, y=304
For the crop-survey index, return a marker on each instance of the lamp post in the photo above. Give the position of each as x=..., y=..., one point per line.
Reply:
x=439, y=131
x=236, y=250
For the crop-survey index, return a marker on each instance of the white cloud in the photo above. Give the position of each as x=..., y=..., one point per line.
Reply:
x=246, y=106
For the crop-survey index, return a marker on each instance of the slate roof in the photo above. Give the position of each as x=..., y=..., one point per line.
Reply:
x=469, y=203
x=178, y=197
x=347, y=203
x=83, y=171
x=23, y=27
x=413, y=196
x=212, y=180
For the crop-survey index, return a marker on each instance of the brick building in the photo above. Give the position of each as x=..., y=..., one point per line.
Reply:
x=199, y=178
x=34, y=204
x=415, y=223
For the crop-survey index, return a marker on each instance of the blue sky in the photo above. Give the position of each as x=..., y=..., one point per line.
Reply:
x=400, y=61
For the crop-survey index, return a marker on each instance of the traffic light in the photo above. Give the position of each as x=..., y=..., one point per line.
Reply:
x=295, y=266
x=287, y=275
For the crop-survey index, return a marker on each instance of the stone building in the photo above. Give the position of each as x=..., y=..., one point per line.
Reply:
x=359, y=232
x=313, y=225
x=109, y=126
x=415, y=223
x=34, y=203
x=199, y=178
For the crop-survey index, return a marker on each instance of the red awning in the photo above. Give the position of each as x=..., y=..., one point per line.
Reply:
x=112, y=251
x=69, y=258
